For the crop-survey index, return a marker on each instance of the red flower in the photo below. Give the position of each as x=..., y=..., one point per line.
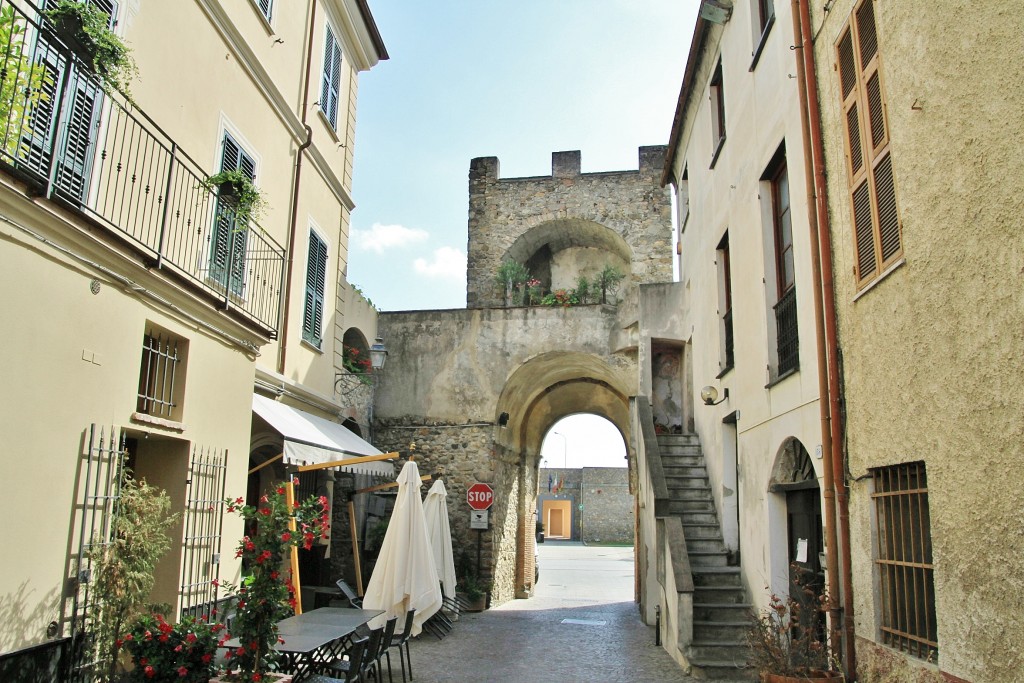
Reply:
x=163, y=637
x=182, y=671
x=265, y=511
x=274, y=574
x=286, y=536
x=150, y=672
x=206, y=658
x=190, y=638
x=295, y=481
x=257, y=677
x=280, y=491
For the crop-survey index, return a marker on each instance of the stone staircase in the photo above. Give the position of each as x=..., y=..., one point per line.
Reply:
x=720, y=610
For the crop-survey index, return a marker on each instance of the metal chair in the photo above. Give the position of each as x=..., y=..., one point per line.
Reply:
x=350, y=595
x=351, y=668
x=400, y=639
x=384, y=650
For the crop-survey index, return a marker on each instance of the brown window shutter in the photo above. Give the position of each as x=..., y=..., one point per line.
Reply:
x=864, y=230
x=853, y=139
x=866, y=36
x=847, y=66
x=888, y=219
x=875, y=113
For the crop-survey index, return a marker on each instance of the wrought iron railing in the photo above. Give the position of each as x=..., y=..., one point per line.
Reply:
x=787, y=334
x=730, y=358
x=94, y=151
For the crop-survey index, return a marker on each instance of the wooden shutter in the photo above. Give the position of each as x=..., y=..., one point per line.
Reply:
x=316, y=285
x=331, y=86
x=876, y=228
x=230, y=238
x=266, y=7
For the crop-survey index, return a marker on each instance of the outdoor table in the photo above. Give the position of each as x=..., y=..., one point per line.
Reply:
x=316, y=637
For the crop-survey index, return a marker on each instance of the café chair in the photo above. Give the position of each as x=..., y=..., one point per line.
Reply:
x=402, y=639
x=351, y=668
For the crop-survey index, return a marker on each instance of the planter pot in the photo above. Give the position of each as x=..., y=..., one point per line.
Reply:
x=228, y=192
x=478, y=605
x=540, y=537
x=68, y=29
x=814, y=677
x=269, y=678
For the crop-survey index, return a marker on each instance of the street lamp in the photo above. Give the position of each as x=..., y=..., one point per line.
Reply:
x=565, y=449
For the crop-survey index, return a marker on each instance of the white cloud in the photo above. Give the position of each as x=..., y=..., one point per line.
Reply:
x=448, y=263
x=381, y=237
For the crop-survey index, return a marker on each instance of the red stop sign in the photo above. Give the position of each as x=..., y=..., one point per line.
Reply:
x=480, y=496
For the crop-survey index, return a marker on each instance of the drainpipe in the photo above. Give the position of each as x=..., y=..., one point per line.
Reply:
x=836, y=502
x=282, y=345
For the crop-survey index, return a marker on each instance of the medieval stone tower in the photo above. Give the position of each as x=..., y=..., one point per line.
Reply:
x=567, y=224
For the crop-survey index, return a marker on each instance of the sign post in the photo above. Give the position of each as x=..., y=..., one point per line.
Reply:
x=480, y=498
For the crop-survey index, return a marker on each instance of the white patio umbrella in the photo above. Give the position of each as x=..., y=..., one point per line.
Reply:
x=435, y=507
x=404, y=576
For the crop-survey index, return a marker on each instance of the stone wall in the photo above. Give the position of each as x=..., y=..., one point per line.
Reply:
x=599, y=497
x=569, y=222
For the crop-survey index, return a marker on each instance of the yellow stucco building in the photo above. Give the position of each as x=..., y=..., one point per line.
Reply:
x=141, y=311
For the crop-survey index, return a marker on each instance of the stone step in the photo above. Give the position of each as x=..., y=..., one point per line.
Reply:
x=708, y=558
x=716, y=576
x=735, y=631
x=719, y=651
x=722, y=611
x=711, y=670
x=674, y=439
x=690, y=493
x=702, y=531
x=718, y=595
x=703, y=517
x=685, y=471
x=694, y=459
x=680, y=506
x=686, y=482
x=705, y=544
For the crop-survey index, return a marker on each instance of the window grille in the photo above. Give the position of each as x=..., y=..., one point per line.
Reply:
x=203, y=526
x=904, y=560
x=788, y=334
x=158, y=376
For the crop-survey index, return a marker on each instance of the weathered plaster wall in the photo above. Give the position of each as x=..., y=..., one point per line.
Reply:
x=932, y=353
x=625, y=214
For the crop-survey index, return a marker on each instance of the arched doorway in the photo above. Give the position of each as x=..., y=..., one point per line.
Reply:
x=794, y=477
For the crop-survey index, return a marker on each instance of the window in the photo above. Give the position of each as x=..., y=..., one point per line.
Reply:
x=725, y=303
x=717, y=113
x=331, y=86
x=316, y=283
x=878, y=241
x=761, y=22
x=904, y=559
x=765, y=15
x=266, y=8
x=227, y=248
x=162, y=374
x=787, y=339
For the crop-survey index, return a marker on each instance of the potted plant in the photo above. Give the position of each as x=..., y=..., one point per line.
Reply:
x=21, y=80
x=475, y=593
x=788, y=639
x=267, y=594
x=165, y=653
x=512, y=277
x=85, y=30
x=540, y=531
x=607, y=281
x=237, y=191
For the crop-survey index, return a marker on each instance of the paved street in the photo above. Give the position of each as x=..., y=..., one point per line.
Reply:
x=581, y=625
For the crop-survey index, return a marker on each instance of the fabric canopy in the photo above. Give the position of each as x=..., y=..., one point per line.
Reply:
x=311, y=440
x=404, y=576
x=435, y=509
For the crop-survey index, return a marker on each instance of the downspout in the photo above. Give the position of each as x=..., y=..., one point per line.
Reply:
x=294, y=211
x=836, y=500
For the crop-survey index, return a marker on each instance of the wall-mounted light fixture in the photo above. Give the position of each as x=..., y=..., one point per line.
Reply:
x=503, y=420
x=716, y=11
x=710, y=396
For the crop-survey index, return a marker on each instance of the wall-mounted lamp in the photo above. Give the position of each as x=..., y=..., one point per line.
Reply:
x=716, y=11
x=710, y=396
x=503, y=419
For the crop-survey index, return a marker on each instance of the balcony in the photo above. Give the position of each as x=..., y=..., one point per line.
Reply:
x=94, y=152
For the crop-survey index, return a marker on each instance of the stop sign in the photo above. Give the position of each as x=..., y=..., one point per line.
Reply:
x=480, y=496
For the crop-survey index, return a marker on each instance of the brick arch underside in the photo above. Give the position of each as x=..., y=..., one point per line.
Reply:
x=536, y=396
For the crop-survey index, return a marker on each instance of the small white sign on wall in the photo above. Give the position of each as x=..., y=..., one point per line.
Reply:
x=478, y=519
x=801, y=550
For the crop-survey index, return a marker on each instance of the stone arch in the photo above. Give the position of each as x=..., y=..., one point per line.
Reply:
x=536, y=395
x=793, y=468
x=355, y=339
x=558, y=251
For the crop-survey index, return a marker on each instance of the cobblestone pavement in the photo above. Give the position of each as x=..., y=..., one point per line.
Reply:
x=581, y=625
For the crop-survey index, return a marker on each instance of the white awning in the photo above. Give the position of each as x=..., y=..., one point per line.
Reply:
x=311, y=440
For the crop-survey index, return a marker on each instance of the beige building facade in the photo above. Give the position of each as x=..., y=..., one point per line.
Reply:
x=142, y=316
x=920, y=114
x=746, y=327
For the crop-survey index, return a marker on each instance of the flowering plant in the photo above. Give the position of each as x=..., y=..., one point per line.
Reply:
x=267, y=594
x=183, y=652
x=360, y=367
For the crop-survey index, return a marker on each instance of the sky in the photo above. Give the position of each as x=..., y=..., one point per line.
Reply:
x=583, y=441
x=516, y=80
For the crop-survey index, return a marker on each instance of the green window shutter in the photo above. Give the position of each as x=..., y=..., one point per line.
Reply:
x=316, y=285
x=229, y=240
x=331, y=86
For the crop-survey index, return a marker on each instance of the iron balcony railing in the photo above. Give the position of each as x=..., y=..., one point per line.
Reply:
x=787, y=334
x=94, y=151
